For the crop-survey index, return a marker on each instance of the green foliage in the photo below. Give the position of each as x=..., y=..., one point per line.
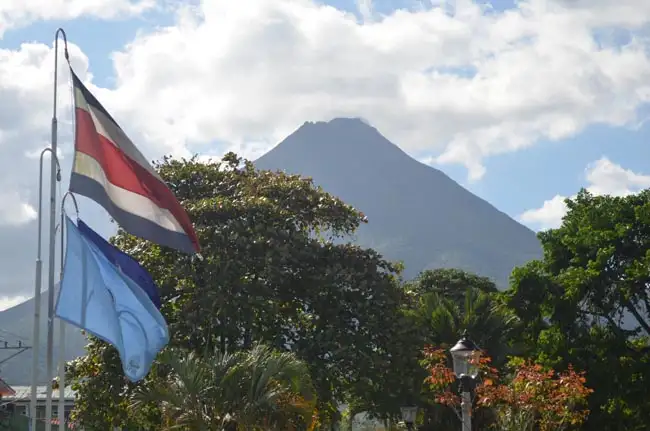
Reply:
x=272, y=271
x=255, y=389
x=447, y=302
x=101, y=400
x=587, y=303
x=439, y=305
x=276, y=270
x=451, y=283
x=444, y=303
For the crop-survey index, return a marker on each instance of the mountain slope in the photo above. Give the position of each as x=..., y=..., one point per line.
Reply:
x=416, y=213
x=16, y=324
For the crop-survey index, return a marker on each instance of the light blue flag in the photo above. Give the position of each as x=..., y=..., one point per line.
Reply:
x=116, y=309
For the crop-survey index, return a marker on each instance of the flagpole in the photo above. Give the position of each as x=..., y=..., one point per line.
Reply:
x=52, y=248
x=38, y=286
x=61, y=406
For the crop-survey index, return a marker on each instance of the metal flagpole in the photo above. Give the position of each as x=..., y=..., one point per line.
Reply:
x=37, y=286
x=60, y=411
x=52, y=249
x=61, y=405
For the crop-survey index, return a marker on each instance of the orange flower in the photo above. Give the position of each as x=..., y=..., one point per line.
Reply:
x=551, y=398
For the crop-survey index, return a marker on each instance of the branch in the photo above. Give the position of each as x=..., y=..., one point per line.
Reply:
x=637, y=316
x=620, y=332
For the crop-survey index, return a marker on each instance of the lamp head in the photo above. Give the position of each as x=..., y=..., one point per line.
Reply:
x=465, y=355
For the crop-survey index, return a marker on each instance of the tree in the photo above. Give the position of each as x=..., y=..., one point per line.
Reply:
x=451, y=283
x=254, y=389
x=450, y=301
x=440, y=304
x=275, y=269
x=586, y=302
x=534, y=398
x=103, y=392
x=529, y=398
x=397, y=380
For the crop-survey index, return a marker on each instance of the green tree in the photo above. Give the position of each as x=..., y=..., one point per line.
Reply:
x=275, y=268
x=452, y=283
x=102, y=399
x=440, y=305
x=446, y=302
x=253, y=389
x=587, y=303
x=397, y=377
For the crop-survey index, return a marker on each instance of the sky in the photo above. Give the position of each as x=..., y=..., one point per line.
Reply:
x=522, y=102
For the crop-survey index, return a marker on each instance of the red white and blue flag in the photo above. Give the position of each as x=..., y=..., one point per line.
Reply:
x=110, y=170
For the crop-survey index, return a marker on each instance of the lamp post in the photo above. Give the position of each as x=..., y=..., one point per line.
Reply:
x=465, y=355
x=409, y=414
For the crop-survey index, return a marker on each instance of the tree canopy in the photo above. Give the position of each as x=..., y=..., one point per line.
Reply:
x=256, y=389
x=444, y=303
x=278, y=275
x=586, y=303
x=275, y=269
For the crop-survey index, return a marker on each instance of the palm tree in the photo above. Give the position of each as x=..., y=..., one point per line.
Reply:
x=271, y=390
x=477, y=313
x=253, y=390
x=448, y=302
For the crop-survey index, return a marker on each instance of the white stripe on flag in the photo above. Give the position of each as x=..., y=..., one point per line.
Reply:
x=126, y=200
x=111, y=131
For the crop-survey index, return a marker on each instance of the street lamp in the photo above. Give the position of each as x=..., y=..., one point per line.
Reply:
x=465, y=355
x=409, y=414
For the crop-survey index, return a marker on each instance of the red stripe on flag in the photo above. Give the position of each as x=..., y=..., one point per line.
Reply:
x=125, y=173
x=118, y=167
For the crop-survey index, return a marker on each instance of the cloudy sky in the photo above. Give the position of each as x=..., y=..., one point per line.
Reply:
x=521, y=102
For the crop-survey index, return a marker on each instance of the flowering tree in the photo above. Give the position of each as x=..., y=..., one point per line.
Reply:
x=529, y=398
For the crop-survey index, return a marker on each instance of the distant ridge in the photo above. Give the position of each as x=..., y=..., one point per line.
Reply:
x=416, y=213
x=16, y=323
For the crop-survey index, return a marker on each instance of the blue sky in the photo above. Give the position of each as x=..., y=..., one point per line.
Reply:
x=557, y=98
x=514, y=182
x=558, y=167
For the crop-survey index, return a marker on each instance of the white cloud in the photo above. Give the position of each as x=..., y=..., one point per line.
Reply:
x=256, y=69
x=26, y=111
x=607, y=178
x=548, y=216
x=365, y=9
x=14, y=210
x=457, y=82
x=18, y=13
x=603, y=178
x=25, y=115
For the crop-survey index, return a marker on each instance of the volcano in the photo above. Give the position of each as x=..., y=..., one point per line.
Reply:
x=416, y=213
